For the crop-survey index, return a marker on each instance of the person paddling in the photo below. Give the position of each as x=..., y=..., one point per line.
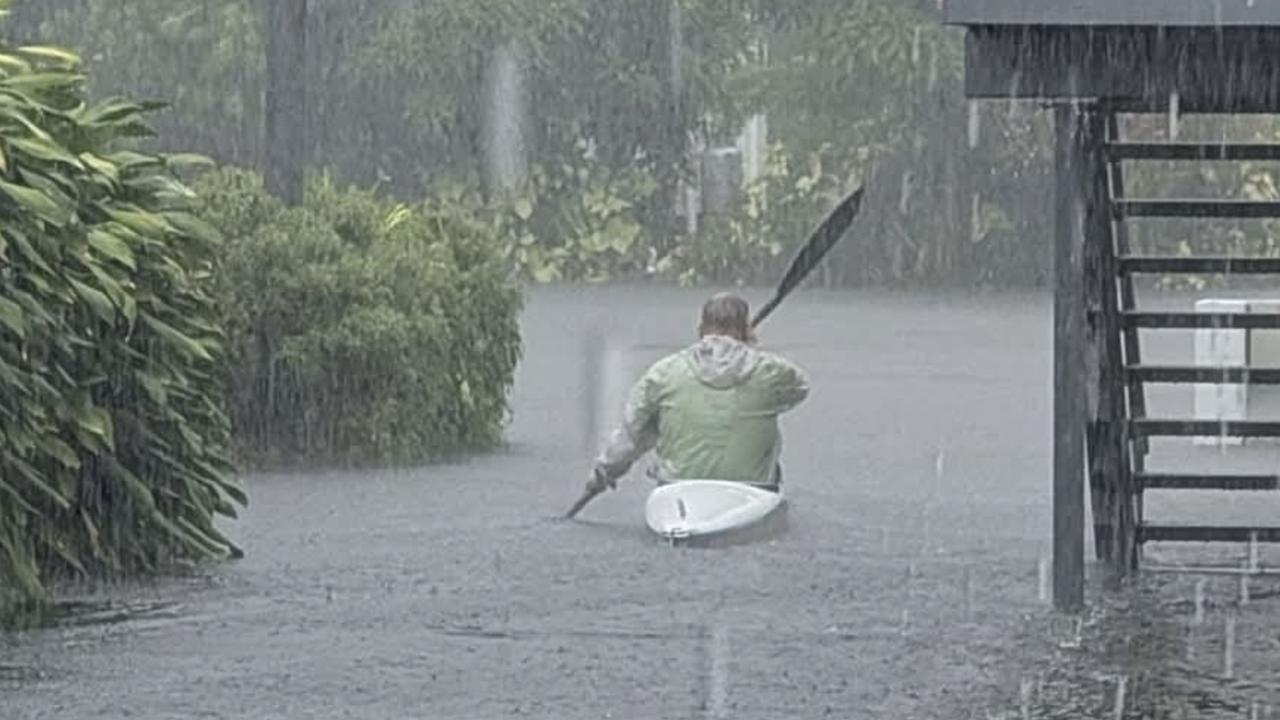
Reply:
x=709, y=411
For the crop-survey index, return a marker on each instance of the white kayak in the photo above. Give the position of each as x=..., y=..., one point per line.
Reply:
x=691, y=510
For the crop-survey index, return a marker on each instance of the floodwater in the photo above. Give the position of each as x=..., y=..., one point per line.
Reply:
x=907, y=585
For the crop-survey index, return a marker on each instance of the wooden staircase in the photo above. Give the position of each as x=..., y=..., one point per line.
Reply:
x=1119, y=427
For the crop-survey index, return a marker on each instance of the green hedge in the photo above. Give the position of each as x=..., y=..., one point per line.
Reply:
x=360, y=330
x=114, y=450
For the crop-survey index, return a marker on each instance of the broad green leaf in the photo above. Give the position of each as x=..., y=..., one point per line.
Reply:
x=13, y=379
x=51, y=53
x=32, y=306
x=101, y=166
x=54, y=185
x=21, y=118
x=187, y=160
x=45, y=150
x=159, y=187
x=130, y=310
x=12, y=317
x=129, y=160
x=113, y=247
x=137, y=490
x=91, y=530
x=43, y=81
x=15, y=63
x=192, y=226
x=184, y=344
x=58, y=450
x=98, y=422
x=212, y=535
x=24, y=246
x=141, y=221
x=108, y=112
x=37, y=202
x=132, y=129
x=112, y=287
x=97, y=300
x=192, y=541
x=154, y=386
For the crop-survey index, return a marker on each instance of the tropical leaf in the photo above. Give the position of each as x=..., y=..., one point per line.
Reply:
x=12, y=317
x=188, y=160
x=142, y=222
x=59, y=450
x=36, y=202
x=43, y=81
x=43, y=149
x=28, y=251
x=58, y=55
x=96, y=299
x=97, y=421
x=192, y=226
x=113, y=247
x=176, y=339
x=13, y=63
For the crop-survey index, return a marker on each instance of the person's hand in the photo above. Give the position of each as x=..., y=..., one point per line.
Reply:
x=599, y=482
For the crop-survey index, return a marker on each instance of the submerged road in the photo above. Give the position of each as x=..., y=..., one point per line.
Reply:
x=919, y=488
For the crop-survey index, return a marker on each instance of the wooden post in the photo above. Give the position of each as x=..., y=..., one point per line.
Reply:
x=1068, y=361
x=1133, y=450
x=1113, y=460
x=1096, y=366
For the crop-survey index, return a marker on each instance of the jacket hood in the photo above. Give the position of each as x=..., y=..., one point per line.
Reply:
x=720, y=361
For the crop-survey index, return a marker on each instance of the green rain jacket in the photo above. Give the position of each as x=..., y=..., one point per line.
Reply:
x=710, y=412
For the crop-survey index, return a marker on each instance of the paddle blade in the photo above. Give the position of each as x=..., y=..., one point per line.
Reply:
x=820, y=243
x=587, y=497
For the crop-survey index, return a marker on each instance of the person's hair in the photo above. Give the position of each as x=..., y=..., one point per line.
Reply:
x=726, y=314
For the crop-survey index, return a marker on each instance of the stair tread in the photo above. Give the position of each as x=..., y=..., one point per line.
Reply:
x=1195, y=532
x=1195, y=207
x=1207, y=481
x=1193, y=151
x=1204, y=428
x=1212, y=264
x=1177, y=320
x=1205, y=374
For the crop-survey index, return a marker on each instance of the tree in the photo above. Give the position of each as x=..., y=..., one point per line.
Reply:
x=286, y=109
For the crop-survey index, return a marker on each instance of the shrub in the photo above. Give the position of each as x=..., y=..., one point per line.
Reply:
x=114, y=447
x=361, y=330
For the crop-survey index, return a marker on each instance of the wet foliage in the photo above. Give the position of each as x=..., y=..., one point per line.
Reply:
x=360, y=329
x=612, y=104
x=114, y=448
x=609, y=106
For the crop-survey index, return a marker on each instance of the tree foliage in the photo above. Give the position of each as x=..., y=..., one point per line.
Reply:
x=360, y=330
x=617, y=94
x=114, y=448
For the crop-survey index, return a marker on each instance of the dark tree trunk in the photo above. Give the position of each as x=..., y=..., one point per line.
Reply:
x=286, y=110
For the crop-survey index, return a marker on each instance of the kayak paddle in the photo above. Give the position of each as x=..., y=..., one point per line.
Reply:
x=820, y=243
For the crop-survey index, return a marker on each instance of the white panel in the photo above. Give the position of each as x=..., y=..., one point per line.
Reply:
x=1217, y=347
x=1264, y=352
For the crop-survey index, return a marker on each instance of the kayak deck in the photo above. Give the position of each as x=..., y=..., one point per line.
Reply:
x=714, y=511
